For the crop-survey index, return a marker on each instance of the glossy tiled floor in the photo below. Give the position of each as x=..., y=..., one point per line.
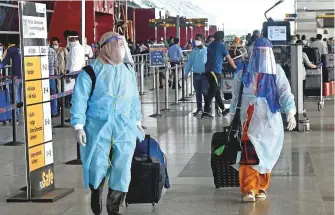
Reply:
x=302, y=182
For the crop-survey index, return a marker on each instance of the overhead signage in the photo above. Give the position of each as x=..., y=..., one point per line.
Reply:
x=166, y=25
x=36, y=96
x=183, y=22
x=197, y=20
x=291, y=15
x=157, y=55
x=196, y=25
x=167, y=20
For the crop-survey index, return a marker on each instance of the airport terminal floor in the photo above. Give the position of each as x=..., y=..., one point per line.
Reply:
x=302, y=182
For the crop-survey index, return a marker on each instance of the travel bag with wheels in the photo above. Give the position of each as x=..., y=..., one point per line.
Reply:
x=5, y=102
x=148, y=173
x=224, y=148
x=328, y=74
x=313, y=55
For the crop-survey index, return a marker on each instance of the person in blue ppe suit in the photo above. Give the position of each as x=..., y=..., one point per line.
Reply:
x=197, y=63
x=266, y=91
x=107, y=124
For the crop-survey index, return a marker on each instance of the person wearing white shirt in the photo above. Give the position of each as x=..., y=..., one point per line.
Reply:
x=88, y=50
x=76, y=57
x=74, y=63
x=321, y=45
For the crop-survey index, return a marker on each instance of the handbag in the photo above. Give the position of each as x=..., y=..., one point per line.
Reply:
x=248, y=155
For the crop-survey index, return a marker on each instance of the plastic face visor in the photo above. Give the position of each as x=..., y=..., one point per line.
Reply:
x=117, y=38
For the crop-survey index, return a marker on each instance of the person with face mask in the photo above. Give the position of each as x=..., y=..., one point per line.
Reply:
x=197, y=63
x=107, y=124
x=62, y=56
x=74, y=62
x=53, y=62
x=266, y=91
x=88, y=50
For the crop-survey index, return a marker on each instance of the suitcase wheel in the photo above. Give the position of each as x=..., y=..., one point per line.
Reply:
x=153, y=204
x=217, y=186
x=321, y=105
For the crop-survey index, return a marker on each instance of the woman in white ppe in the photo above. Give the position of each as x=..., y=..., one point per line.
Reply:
x=266, y=91
x=107, y=124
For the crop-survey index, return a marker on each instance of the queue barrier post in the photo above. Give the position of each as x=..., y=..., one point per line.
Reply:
x=62, y=108
x=192, y=84
x=158, y=112
x=142, y=79
x=166, y=91
x=154, y=78
x=76, y=161
x=176, y=92
x=183, y=98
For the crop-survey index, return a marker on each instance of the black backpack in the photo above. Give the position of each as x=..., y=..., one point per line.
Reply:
x=89, y=70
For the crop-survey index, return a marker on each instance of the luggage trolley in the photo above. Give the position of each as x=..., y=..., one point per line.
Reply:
x=317, y=74
x=227, y=77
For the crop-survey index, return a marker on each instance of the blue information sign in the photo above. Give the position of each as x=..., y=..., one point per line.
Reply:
x=157, y=55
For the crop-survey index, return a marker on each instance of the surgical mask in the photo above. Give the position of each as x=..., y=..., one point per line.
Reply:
x=55, y=46
x=122, y=53
x=72, y=44
x=198, y=43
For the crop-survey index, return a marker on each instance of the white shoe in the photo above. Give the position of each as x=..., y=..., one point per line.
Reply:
x=261, y=194
x=249, y=197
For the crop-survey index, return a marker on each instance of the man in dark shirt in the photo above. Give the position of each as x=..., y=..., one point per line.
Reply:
x=217, y=51
x=13, y=57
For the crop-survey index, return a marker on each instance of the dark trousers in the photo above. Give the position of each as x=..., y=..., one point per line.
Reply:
x=214, y=82
x=115, y=204
x=200, y=87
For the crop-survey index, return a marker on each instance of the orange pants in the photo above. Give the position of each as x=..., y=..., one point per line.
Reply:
x=251, y=180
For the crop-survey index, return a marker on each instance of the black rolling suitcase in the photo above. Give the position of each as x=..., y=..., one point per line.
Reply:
x=224, y=148
x=223, y=173
x=146, y=179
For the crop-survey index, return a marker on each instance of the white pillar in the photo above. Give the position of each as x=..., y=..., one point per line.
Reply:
x=83, y=34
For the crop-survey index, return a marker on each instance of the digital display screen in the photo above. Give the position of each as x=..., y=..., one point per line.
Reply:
x=277, y=33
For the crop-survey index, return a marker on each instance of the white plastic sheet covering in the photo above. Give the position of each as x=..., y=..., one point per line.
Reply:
x=175, y=7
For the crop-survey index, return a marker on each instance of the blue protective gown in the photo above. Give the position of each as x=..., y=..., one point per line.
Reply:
x=266, y=130
x=109, y=118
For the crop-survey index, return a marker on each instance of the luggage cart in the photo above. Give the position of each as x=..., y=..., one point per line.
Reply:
x=227, y=86
x=317, y=73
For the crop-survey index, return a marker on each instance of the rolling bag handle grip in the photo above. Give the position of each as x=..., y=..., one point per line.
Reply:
x=239, y=101
x=147, y=137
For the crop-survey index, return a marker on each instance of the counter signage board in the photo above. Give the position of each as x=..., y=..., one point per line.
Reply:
x=157, y=55
x=36, y=100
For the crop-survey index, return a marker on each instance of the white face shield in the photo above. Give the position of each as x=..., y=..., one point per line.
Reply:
x=127, y=58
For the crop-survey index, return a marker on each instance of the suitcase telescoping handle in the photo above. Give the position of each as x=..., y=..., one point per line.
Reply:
x=147, y=137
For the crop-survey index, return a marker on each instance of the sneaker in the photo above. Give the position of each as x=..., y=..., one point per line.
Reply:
x=225, y=112
x=206, y=116
x=197, y=113
x=218, y=112
x=261, y=194
x=249, y=197
x=56, y=115
x=161, y=87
